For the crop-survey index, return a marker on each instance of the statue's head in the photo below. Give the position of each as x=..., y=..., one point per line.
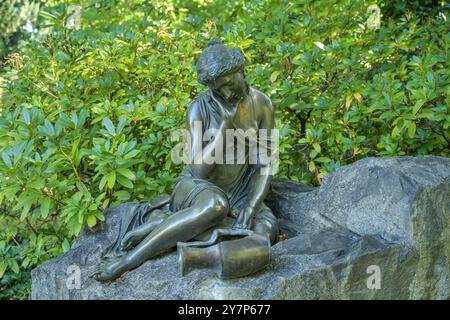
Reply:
x=221, y=68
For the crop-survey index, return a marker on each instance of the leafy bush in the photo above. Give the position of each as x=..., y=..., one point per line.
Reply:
x=87, y=113
x=15, y=15
x=346, y=90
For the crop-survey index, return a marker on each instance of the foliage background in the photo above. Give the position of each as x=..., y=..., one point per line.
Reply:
x=86, y=113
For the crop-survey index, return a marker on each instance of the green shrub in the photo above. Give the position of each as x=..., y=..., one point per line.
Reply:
x=345, y=90
x=14, y=16
x=87, y=113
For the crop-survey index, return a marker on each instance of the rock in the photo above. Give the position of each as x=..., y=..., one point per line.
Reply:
x=386, y=215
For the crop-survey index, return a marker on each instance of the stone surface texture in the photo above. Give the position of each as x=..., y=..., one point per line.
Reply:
x=379, y=214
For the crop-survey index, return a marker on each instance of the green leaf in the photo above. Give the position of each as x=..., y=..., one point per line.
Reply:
x=124, y=182
x=317, y=147
x=81, y=187
x=48, y=16
x=75, y=147
x=111, y=179
x=126, y=173
x=26, y=262
x=100, y=197
x=311, y=166
x=91, y=221
x=7, y=160
x=105, y=203
x=80, y=215
x=132, y=154
x=395, y=132
x=122, y=195
x=77, y=228
x=121, y=124
x=417, y=106
x=99, y=215
x=430, y=78
x=3, y=266
x=412, y=130
x=14, y=266
x=313, y=154
x=66, y=245
x=50, y=129
x=36, y=184
x=322, y=159
x=427, y=115
x=26, y=116
x=103, y=182
x=25, y=210
x=45, y=207
x=109, y=125
x=274, y=76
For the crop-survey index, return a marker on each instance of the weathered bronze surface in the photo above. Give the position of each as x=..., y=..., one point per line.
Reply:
x=230, y=253
x=208, y=195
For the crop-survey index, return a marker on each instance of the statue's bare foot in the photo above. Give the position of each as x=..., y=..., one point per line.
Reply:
x=110, y=269
x=131, y=239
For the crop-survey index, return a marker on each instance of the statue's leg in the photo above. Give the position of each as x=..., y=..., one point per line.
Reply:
x=266, y=224
x=135, y=236
x=208, y=208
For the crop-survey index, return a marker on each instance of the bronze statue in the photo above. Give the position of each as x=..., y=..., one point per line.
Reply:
x=207, y=195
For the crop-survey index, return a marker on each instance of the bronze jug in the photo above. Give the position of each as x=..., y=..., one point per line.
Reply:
x=229, y=253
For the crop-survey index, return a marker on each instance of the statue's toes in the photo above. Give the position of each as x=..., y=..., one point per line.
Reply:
x=97, y=274
x=108, y=270
x=101, y=276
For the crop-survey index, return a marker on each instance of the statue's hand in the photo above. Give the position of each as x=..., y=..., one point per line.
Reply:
x=244, y=219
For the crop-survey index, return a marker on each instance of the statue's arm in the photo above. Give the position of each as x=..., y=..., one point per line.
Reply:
x=260, y=182
x=202, y=161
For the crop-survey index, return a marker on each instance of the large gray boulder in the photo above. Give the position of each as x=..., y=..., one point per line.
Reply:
x=379, y=228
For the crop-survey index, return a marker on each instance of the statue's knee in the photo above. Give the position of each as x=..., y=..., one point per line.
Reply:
x=213, y=206
x=220, y=206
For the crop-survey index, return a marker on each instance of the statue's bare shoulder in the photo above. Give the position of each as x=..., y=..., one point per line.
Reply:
x=264, y=107
x=193, y=112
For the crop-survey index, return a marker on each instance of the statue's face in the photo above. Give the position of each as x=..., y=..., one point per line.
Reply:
x=230, y=88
